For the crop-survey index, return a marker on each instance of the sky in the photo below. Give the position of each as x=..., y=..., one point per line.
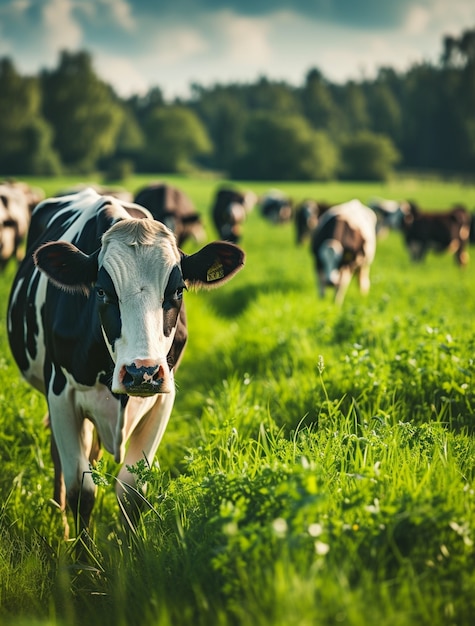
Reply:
x=171, y=44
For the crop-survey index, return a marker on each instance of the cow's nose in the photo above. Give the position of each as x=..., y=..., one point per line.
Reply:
x=142, y=380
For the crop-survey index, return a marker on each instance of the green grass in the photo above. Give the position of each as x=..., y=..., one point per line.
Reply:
x=318, y=467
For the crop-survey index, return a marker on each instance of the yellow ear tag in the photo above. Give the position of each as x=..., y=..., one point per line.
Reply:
x=215, y=272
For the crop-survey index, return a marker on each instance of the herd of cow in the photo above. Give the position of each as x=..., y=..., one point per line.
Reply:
x=96, y=318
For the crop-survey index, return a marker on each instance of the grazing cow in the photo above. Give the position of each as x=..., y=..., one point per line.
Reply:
x=229, y=210
x=390, y=214
x=17, y=200
x=96, y=322
x=174, y=208
x=276, y=207
x=344, y=243
x=306, y=218
x=438, y=231
x=472, y=228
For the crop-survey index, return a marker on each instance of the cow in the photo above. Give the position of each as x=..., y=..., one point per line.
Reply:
x=306, y=217
x=276, y=207
x=390, y=214
x=17, y=200
x=96, y=322
x=472, y=228
x=229, y=210
x=174, y=208
x=344, y=243
x=440, y=231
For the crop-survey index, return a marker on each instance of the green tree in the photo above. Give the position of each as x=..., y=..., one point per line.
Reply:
x=384, y=111
x=224, y=115
x=278, y=97
x=26, y=138
x=318, y=104
x=368, y=156
x=354, y=107
x=83, y=110
x=458, y=69
x=175, y=137
x=284, y=147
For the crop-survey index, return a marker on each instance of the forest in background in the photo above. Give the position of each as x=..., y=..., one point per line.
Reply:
x=69, y=121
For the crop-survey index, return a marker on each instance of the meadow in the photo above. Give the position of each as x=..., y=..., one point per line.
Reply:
x=319, y=465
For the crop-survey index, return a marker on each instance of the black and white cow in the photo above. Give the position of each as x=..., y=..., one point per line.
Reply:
x=276, y=207
x=344, y=243
x=229, y=211
x=306, y=216
x=390, y=214
x=174, y=208
x=96, y=322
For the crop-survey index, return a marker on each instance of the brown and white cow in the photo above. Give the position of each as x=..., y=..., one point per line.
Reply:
x=96, y=322
x=174, y=208
x=17, y=200
x=344, y=243
x=439, y=231
x=229, y=211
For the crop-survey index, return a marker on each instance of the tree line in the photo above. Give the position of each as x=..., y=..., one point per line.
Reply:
x=68, y=120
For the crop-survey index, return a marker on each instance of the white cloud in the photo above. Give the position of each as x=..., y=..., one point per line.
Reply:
x=245, y=39
x=132, y=81
x=120, y=12
x=178, y=44
x=417, y=20
x=61, y=29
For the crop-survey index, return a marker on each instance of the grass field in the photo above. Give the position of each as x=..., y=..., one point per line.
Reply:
x=318, y=468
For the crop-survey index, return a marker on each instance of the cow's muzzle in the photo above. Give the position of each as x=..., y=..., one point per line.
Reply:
x=142, y=380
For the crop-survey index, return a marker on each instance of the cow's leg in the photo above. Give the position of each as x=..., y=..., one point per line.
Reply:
x=73, y=437
x=143, y=444
x=321, y=282
x=59, y=494
x=345, y=279
x=364, y=280
x=461, y=255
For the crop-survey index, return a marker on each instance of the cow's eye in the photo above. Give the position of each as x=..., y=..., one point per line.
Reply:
x=173, y=299
x=102, y=294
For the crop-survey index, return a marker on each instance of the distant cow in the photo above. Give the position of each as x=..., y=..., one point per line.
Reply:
x=17, y=200
x=174, y=208
x=229, y=210
x=438, y=231
x=344, y=243
x=472, y=228
x=276, y=207
x=390, y=214
x=306, y=217
x=96, y=322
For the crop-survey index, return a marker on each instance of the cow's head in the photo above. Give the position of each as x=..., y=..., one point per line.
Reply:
x=137, y=278
x=330, y=256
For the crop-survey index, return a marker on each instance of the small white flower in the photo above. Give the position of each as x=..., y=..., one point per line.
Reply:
x=280, y=526
x=315, y=530
x=321, y=548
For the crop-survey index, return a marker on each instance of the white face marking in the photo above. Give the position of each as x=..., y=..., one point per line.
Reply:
x=140, y=274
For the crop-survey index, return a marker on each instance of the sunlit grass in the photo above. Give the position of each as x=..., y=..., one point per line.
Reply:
x=318, y=467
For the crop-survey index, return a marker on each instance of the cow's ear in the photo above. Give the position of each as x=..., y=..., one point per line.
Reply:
x=66, y=266
x=213, y=265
